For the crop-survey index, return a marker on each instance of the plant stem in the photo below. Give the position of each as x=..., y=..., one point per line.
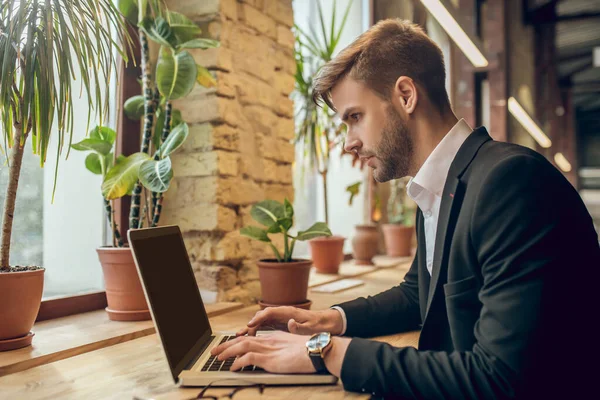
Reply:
x=276, y=252
x=286, y=255
x=292, y=248
x=158, y=197
x=16, y=156
x=117, y=240
x=325, y=202
x=157, y=210
x=134, y=215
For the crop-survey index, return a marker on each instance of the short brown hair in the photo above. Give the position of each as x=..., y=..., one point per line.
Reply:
x=378, y=57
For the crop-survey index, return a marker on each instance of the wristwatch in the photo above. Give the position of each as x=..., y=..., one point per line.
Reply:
x=317, y=346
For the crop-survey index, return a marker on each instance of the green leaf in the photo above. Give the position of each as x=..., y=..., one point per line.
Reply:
x=288, y=209
x=160, y=122
x=204, y=77
x=183, y=28
x=174, y=140
x=175, y=74
x=267, y=212
x=255, y=233
x=97, y=145
x=134, y=107
x=159, y=31
x=156, y=175
x=129, y=9
x=199, y=43
x=121, y=178
x=92, y=163
x=275, y=228
x=353, y=190
x=103, y=133
x=317, y=230
x=142, y=9
x=109, y=160
x=285, y=223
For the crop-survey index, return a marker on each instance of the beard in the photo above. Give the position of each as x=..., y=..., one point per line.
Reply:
x=395, y=151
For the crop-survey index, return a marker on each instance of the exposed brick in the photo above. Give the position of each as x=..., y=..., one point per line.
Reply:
x=216, y=277
x=285, y=107
x=206, y=137
x=200, y=217
x=188, y=191
x=208, y=163
x=238, y=191
x=248, y=271
x=275, y=172
x=251, y=91
x=285, y=129
x=285, y=83
x=285, y=37
x=257, y=20
x=281, y=11
x=205, y=247
x=194, y=9
x=217, y=58
x=199, y=107
x=261, y=119
x=285, y=62
x=259, y=4
x=262, y=68
x=248, y=293
x=229, y=9
x=278, y=191
x=276, y=149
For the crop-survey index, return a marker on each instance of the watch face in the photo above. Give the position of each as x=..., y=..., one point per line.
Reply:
x=319, y=341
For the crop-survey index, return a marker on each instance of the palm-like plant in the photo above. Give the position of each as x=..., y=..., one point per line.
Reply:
x=316, y=131
x=42, y=45
x=174, y=76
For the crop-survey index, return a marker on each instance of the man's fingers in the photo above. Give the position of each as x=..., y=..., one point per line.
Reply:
x=300, y=329
x=245, y=345
x=243, y=331
x=249, y=359
x=223, y=346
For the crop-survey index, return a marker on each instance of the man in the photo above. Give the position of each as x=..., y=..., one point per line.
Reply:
x=502, y=284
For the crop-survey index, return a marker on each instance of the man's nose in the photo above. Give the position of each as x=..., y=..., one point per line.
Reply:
x=353, y=144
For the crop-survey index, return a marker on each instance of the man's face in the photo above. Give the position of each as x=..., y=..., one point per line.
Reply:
x=376, y=131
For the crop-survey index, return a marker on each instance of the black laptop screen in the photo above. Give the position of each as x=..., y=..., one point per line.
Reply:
x=173, y=293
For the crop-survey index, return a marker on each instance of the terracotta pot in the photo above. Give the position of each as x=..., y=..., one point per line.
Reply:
x=124, y=293
x=398, y=239
x=20, y=296
x=327, y=253
x=284, y=283
x=364, y=244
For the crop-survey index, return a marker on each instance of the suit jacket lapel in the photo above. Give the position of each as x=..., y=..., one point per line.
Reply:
x=452, y=197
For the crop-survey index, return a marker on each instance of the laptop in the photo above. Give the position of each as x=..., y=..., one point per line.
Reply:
x=181, y=320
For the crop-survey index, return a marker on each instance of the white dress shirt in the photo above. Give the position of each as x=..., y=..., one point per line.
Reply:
x=427, y=186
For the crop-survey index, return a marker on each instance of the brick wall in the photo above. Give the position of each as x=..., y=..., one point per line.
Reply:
x=239, y=150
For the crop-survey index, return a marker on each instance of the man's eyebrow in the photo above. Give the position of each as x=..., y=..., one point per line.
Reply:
x=347, y=113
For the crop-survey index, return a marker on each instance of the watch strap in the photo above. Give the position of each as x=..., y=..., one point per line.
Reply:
x=318, y=363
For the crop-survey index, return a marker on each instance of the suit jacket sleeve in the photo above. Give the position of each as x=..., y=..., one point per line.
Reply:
x=520, y=238
x=395, y=310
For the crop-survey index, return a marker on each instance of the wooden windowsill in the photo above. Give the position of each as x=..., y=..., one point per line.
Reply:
x=65, y=337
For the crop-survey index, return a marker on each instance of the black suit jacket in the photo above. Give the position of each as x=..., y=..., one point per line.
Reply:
x=511, y=307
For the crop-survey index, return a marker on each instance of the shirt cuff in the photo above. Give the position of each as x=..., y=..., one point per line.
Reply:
x=344, y=324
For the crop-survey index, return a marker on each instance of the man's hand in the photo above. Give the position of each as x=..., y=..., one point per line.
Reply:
x=295, y=320
x=280, y=353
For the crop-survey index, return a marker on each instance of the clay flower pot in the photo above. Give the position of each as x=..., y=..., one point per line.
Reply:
x=20, y=296
x=124, y=293
x=327, y=253
x=364, y=244
x=284, y=284
x=398, y=239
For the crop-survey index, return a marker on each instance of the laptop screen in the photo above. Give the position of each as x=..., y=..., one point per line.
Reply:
x=172, y=291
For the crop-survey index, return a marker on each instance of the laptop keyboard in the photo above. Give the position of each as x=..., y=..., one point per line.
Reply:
x=214, y=365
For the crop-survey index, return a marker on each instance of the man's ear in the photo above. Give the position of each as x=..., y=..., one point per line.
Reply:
x=405, y=92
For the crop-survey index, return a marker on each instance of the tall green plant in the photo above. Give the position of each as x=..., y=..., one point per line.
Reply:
x=164, y=131
x=278, y=218
x=316, y=130
x=43, y=43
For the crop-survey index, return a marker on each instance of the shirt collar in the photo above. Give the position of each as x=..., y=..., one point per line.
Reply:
x=432, y=175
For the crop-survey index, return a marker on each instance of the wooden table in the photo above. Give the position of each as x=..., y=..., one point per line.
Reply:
x=138, y=367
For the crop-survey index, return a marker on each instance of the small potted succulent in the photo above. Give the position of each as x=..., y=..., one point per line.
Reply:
x=283, y=279
x=398, y=232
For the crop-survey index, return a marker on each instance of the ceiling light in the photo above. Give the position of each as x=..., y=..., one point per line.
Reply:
x=453, y=29
x=524, y=119
x=562, y=162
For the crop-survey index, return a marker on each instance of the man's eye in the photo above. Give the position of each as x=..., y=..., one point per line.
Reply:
x=355, y=117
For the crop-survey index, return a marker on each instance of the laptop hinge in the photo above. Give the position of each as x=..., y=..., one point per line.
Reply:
x=194, y=360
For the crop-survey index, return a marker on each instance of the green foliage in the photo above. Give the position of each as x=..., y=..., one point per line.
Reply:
x=121, y=178
x=353, y=189
x=279, y=218
x=156, y=175
x=175, y=74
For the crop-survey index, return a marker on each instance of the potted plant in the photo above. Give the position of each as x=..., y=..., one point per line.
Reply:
x=283, y=279
x=41, y=44
x=398, y=233
x=145, y=175
x=317, y=132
